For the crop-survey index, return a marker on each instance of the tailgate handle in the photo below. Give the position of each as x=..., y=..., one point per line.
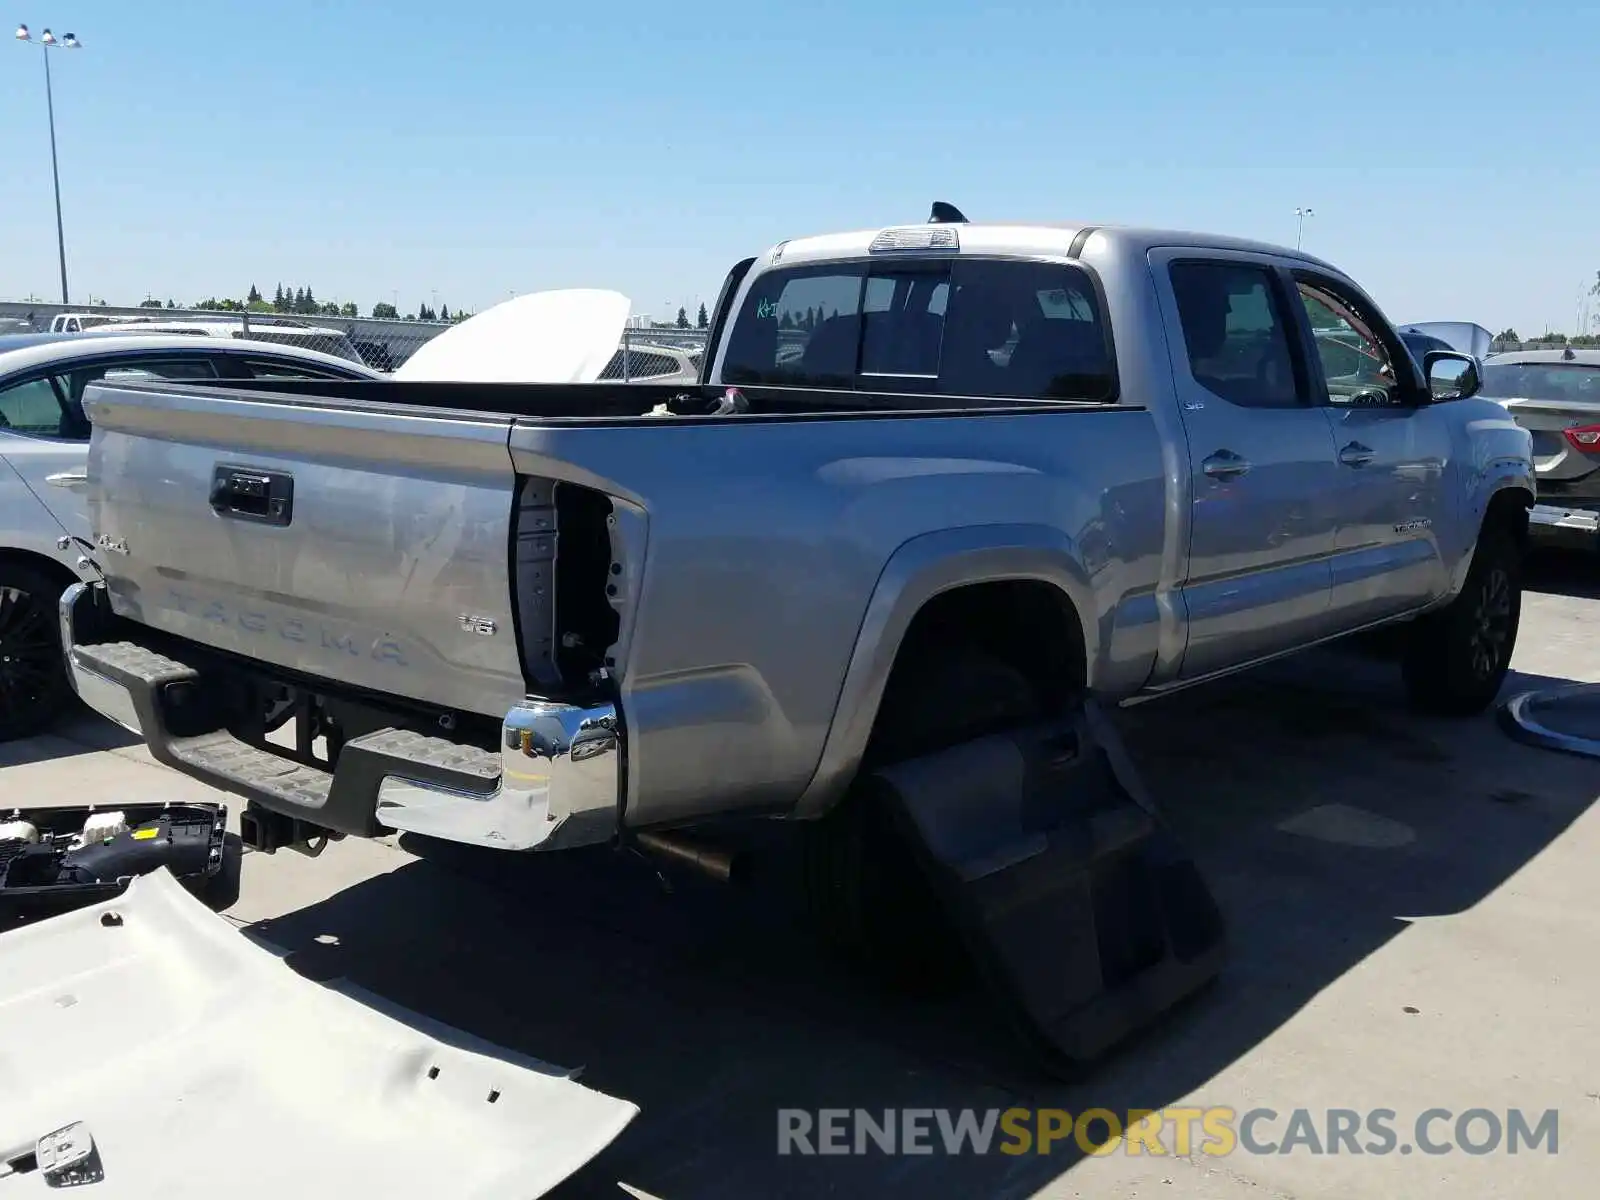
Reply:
x=248, y=494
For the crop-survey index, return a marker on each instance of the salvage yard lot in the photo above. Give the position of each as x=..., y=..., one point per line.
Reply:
x=1412, y=907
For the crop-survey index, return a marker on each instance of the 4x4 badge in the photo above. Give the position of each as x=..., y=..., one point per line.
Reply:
x=483, y=626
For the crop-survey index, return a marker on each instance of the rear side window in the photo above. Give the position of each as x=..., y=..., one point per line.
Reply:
x=972, y=327
x=1236, y=334
x=263, y=368
x=74, y=383
x=31, y=407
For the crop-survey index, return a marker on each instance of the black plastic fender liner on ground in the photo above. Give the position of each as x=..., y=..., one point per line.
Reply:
x=1084, y=914
x=1562, y=718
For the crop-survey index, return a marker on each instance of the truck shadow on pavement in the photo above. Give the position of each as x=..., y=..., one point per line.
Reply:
x=1557, y=573
x=1324, y=815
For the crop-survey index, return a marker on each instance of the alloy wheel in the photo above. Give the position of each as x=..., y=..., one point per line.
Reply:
x=30, y=667
x=1491, y=630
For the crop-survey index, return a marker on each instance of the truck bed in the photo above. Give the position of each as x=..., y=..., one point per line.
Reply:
x=423, y=556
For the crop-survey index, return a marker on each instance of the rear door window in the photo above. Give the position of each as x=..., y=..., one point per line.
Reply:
x=127, y=370
x=1237, y=333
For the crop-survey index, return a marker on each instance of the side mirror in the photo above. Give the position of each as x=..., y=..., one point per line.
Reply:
x=1451, y=376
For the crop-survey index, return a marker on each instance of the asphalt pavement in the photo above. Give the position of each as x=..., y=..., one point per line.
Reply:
x=1412, y=916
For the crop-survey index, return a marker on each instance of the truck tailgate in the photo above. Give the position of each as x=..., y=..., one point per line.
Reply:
x=194, y=1063
x=344, y=541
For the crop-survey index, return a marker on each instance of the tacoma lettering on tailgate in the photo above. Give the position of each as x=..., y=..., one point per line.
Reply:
x=288, y=629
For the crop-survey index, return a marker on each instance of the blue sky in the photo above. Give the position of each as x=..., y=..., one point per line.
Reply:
x=471, y=150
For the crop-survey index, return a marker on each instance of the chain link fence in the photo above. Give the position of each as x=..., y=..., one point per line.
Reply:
x=383, y=345
x=645, y=355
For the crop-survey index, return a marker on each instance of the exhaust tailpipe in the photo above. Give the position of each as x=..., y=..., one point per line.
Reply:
x=724, y=866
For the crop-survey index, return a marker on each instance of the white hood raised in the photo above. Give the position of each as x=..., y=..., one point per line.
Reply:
x=1467, y=337
x=565, y=336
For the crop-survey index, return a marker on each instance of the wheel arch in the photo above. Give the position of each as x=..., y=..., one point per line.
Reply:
x=17, y=556
x=962, y=580
x=1505, y=507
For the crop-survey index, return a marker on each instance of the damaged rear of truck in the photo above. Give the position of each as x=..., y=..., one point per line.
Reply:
x=536, y=631
x=943, y=490
x=936, y=477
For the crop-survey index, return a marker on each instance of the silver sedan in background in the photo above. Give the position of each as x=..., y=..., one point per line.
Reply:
x=1555, y=395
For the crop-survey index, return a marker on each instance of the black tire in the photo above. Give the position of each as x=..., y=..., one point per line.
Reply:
x=1456, y=658
x=864, y=890
x=33, y=677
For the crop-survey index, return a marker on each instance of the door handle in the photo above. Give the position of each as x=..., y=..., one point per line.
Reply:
x=1356, y=455
x=1224, y=464
x=245, y=494
x=67, y=479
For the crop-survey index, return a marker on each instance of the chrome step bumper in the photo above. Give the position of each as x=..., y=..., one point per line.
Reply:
x=1569, y=526
x=555, y=781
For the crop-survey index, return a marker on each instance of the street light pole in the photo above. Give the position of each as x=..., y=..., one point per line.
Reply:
x=46, y=43
x=1300, y=225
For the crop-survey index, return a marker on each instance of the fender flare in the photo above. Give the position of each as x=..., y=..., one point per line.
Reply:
x=920, y=569
x=1507, y=477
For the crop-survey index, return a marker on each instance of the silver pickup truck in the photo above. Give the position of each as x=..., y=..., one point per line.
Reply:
x=936, y=478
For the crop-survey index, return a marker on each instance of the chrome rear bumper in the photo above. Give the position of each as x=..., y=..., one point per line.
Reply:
x=1557, y=524
x=554, y=782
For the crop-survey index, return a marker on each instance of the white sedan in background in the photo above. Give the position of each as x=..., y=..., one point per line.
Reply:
x=44, y=452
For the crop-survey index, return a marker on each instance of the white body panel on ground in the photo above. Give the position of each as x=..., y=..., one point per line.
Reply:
x=203, y=1065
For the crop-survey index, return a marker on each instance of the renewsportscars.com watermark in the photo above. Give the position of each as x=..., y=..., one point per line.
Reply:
x=1178, y=1131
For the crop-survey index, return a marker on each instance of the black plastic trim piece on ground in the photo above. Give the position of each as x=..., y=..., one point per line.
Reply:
x=49, y=877
x=1085, y=915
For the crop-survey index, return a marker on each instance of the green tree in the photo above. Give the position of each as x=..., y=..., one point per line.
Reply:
x=297, y=302
x=348, y=309
x=701, y=320
x=310, y=304
x=148, y=303
x=170, y=304
x=278, y=300
x=258, y=305
x=444, y=311
x=683, y=318
x=384, y=311
x=1507, y=337
x=254, y=295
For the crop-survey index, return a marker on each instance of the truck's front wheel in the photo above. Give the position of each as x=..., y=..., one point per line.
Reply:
x=1457, y=658
x=864, y=890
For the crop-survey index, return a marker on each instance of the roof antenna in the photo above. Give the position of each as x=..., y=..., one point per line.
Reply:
x=945, y=214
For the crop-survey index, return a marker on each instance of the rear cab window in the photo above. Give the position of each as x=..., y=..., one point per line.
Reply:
x=963, y=327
